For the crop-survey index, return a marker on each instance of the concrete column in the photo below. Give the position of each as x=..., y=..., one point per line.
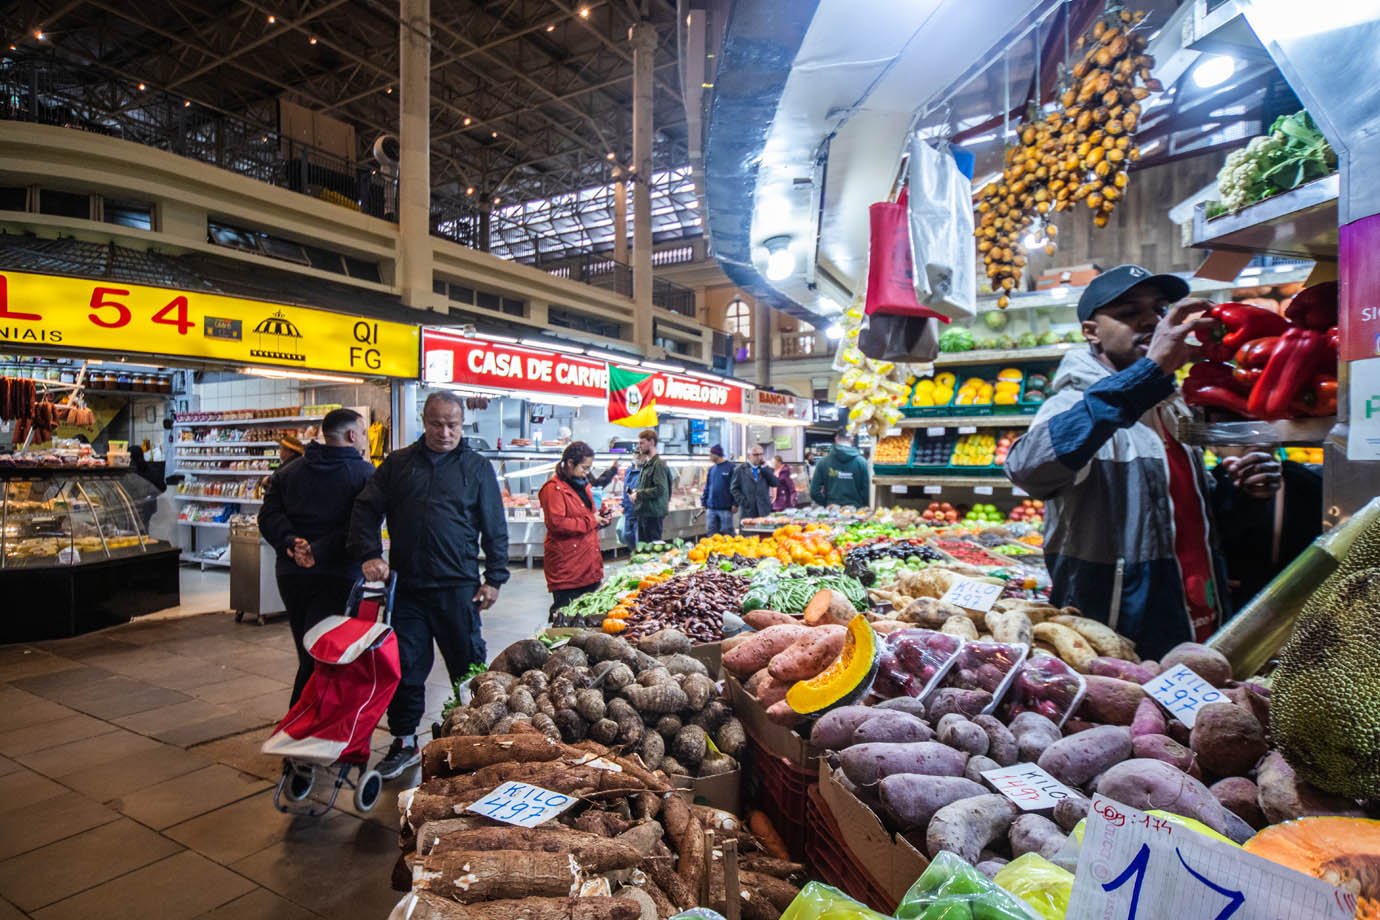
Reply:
x=642, y=37
x=761, y=342
x=620, y=215
x=414, y=134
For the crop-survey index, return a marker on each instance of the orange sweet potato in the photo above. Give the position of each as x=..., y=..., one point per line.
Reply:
x=808, y=655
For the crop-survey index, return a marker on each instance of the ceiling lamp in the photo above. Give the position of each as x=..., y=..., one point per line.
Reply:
x=780, y=258
x=1213, y=70
x=835, y=331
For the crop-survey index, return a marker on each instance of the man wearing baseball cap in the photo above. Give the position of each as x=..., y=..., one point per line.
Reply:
x=717, y=496
x=1128, y=507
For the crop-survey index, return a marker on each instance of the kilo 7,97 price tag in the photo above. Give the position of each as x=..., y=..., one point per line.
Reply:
x=521, y=804
x=1182, y=692
x=972, y=595
x=1136, y=866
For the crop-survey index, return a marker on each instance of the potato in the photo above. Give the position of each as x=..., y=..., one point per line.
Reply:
x=957, y=732
x=904, y=704
x=1032, y=833
x=909, y=800
x=1241, y=797
x=1068, y=812
x=1227, y=739
x=833, y=731
x=809, y=654
x=1010, y=627
x=967, y=826
x=1104, y=666
x=960, y=625
x=1001, y=744
x=1208, y=663
x=1068, y=645
x=1162, y=747
x=1111, y=701
x=951, y=699
x=1105, y=640
x=866, y=764
x=977, y=766
x=1034, y=734
x=1146, y=784
x=1149, y=719
x=758, y=650
x=1078, y=758
x=772, y=691
x=1283, y=796
x=762, y=619
x=889, y=725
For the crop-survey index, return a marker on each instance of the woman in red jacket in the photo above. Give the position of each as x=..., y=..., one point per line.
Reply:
x=573, y=562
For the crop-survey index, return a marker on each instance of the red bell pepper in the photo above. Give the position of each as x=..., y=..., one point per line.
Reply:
x=1319, y=399
x=1298, y=357
x=1238, y=324
x=1250, y=360
x=1212, y=384
x=1314, y=307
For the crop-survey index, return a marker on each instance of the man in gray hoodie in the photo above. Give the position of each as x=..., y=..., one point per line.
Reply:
x=841, y=476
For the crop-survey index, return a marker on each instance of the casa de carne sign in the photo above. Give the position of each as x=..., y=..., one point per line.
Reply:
x=450, y=358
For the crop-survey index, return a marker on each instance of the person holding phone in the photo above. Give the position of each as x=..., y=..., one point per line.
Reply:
x=573, y=561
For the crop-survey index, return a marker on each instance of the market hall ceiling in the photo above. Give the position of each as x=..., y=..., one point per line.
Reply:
x=529, y=97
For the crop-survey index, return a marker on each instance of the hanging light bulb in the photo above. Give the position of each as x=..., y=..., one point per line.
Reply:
x=780, y=258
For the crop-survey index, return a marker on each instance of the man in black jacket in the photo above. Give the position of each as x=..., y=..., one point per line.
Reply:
x=304, y=517
x=442, y=502
x=752, y=484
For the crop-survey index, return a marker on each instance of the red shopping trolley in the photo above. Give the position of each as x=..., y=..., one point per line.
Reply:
x=331, y=725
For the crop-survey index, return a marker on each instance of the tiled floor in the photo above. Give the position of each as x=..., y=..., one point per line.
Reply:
x=131, y=783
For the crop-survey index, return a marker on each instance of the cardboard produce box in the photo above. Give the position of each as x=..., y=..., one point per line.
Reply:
x=724, y=792
x=775, y=739
x=889, y=859
x=709, y=654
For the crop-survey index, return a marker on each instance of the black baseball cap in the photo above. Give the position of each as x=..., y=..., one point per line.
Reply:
x=1111, y=284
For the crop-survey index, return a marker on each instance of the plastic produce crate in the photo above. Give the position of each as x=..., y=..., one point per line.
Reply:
x=831, y=862
x=779, y=789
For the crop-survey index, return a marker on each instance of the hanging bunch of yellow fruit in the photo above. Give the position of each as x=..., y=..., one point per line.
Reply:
x=1078, y=153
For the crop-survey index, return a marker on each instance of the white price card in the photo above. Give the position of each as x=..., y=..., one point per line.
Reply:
x=972, y=595
x=1028, y=786
x=893, y=432
x=1135, y=866
x=69, y=555
x=521, y=804
x=968, y=429
x=898, y=490
x=982, y=490
x=934, y=432
x=933, y=490
x=1019, y=492
x=1183, y=693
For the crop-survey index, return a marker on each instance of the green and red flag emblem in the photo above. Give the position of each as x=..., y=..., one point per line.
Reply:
x=631, y=399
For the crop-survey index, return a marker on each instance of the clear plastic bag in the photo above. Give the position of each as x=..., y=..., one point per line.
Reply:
x=1046, y=685
x=912, y=662
x=941, y=232
x=1043, y=886
x=818, y=901
x=950, y=889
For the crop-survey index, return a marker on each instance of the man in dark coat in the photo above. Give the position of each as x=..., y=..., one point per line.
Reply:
x=753, y=484
x=443, y=503
x=305, y=515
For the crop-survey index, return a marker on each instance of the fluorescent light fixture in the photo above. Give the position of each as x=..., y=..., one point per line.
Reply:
x=715, y=378
x=1251, y=272
x=531, y=471
x=835, y=331
x=274, y=374
x=496, y=338
x=780, y=258
x=670, y=368
x=610, y=356
x=1213, y=70
x=1060, y=291
x=538, y=343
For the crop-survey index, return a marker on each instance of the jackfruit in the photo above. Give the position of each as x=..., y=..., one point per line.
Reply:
x=1325, y=699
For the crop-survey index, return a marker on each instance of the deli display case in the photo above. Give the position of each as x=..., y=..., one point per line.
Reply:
x=522, y=474
x=75, y=553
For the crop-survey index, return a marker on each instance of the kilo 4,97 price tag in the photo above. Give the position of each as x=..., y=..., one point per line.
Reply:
x=521, y=804
x=1182, y=692
x=1136, y=866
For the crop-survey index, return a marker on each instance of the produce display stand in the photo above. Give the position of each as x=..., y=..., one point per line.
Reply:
x=848, y=847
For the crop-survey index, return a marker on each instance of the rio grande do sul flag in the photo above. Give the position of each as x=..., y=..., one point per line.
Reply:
x=631, y=400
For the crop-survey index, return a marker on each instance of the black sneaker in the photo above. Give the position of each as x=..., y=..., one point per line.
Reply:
x=400, y=757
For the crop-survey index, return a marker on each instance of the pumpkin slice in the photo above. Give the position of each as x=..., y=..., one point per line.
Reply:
x=846, y=680
x=1344, y=852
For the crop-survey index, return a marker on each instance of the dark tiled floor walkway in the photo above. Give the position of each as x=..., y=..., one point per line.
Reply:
x=131, y=783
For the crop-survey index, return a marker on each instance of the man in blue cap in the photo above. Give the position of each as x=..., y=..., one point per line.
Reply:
x=1128, y=507
x=717, y=496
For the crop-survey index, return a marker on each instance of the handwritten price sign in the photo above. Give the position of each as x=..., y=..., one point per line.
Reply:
x=972, y=595
x=521, y=804
x=1134, y=866
x=1028, y=786
x=1183, y=693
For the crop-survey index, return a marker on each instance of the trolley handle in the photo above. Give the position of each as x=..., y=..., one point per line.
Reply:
x=361, y=590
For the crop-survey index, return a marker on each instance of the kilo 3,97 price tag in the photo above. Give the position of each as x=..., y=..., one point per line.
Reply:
x=1182, y=692
x=521, y=804
x=1135, y=866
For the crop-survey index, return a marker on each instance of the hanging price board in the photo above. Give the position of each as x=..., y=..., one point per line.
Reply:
x=1135, y=866
x=972, y=595
x=1028, y=786
x=1183, y=693
x=521, y=804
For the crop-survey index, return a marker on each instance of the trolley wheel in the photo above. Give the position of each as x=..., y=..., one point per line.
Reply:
x=297, y=783
x=367, y=790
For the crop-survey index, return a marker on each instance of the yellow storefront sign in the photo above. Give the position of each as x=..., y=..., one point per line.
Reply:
x=66, y=313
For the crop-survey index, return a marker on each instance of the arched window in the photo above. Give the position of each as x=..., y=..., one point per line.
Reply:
x=738, y=319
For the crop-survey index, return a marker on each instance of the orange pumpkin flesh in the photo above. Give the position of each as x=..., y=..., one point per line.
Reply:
x=1344, y=852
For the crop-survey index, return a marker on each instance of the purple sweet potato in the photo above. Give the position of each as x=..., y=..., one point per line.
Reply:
x=1120, y=669
x=1032, y=833
x=1034, y=733
x=1165, y=748
x=1241, y=797
x=892, y=726
x=1149, y=719
x=904, y=704
x=1283, y=796
x=910, y=800
x=967, y=826
x=1110, y=700
x=1254, y=698
x=1001, y=744
x=957, y=732
x=977, y=766
x=1068, y=812
x=1208, y=663
x=1228, y=740
x=952, y=699
x=1145, y=784
x=833, y=731
x=1178, y=731
x=866, y=764
x=1078, y=758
